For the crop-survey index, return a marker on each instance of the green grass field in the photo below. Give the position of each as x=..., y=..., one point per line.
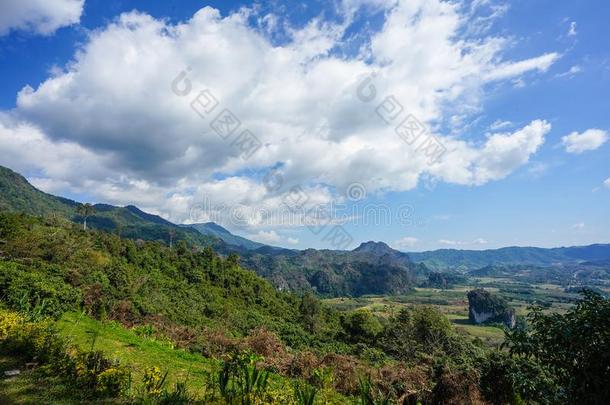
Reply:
x=138, y=352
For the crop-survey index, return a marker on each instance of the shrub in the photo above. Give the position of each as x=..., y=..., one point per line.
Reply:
x=91, y=372
x=154, y=381
x=113, y=382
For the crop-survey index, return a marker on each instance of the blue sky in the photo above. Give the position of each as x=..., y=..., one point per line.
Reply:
x=516, y=91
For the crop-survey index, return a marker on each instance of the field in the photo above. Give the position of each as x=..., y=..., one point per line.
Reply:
x=454, y=303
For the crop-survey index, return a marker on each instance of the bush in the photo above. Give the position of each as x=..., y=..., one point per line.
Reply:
x=91, y=372
x=113, y=382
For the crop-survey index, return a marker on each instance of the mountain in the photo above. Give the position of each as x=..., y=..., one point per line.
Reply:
x=18, y=195
x=215, y=230
x=372, y=268
x=466, y=260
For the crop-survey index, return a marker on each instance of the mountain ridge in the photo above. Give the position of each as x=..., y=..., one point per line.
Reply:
x=371, y=268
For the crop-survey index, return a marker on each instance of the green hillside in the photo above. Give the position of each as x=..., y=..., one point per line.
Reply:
x=217, y=231
x=18, y=195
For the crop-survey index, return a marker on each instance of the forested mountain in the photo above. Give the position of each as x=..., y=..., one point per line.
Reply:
x=217, y=231
x=372, y=268
x=18, y=195
x=453, y=259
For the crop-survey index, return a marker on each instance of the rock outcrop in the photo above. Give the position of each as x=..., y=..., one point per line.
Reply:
x=483, y=307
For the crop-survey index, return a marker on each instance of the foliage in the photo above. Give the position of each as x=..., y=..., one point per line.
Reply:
x=368, y=395
x=57, y=267
x=509, y=380
x=91, y=372
x=304, y=394
x=85, y=211
x=361, y=326
x=573, y=345
x=238, y=381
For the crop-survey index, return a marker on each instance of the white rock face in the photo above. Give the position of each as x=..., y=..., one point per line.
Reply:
x=480, y=317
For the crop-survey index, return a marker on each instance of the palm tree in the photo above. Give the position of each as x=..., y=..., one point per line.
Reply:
x=85, y=211
x=172, y=235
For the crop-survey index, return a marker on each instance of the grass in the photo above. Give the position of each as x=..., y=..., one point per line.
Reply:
x=34, y=387
x=140, y=353
x=137, y=352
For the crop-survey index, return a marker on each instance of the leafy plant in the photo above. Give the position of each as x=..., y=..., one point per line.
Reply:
x=367, y=394
x=304, y=394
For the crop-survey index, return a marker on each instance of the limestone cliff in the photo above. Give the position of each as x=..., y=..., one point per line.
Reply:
x=483, y=307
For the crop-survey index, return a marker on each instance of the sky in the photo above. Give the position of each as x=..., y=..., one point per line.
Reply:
x=426, y=124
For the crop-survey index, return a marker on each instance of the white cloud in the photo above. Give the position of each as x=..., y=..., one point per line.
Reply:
x=572, y=31
x=579, y=226
x=405, y=243
x=507, y=70
x=145, y=145
x=538, y=169
x=267, y=237
x=591, y=139
x=272, y=237
x=39, y=16
x=449, y=242
x=499, y=156
x=574, y=70
x=499, y=124
x=607, y=183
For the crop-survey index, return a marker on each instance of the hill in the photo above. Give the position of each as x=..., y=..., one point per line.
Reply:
x=372, y=268
x=465, y=260
x=18, y=195
x=217, y=231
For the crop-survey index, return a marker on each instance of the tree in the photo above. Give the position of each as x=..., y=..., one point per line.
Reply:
x=361, y=326
x=573, y=345
x=233, y=259
x=172, y=235
x=310, y=310
x=85, y=211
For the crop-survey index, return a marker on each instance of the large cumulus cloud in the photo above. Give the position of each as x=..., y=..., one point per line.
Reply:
x=114, y=106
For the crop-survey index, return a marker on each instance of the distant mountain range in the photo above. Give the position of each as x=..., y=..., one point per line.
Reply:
x=217, y=231
x=465, y=260
x=372, y=268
